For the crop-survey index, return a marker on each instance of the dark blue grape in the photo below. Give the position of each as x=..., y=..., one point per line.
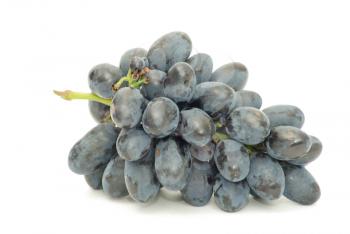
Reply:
x=127, y=57
x=95, y=149
x=113, y=182
x=266, y=177
x=137, y=64
x=94, y=180
x=180, y=82
x=301, y=186
x=199, y=188
x=202, y=65
x=204, y=153
x=101, y=79
x=230, y=196
x=215, y=98
x=160, y=117
x=155, y=86
x=248, y=98
x=287, y=143
x=133, y=144
x=285, y=115
x=169, y=49
x=173, y=163
x=248, y=125
x=100, y=112
x=196, y=127
x=232, y=160
x=140, y=178
x=311, y=155
x=233, y=74
x=127, y=107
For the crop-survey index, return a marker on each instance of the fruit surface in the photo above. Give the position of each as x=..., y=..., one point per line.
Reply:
x=233, y=74
x=202, y=65
x=113, y=182
x=285, y=115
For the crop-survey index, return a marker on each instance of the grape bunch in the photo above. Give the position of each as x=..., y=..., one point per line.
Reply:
x=166, y=120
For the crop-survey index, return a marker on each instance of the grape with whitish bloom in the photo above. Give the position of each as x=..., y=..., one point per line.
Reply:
x=113, y=182
x=311, y=155
x=161, y=117
x=94, y=180
x=101, y=79
x=100, y=112
x=155, y=85
x=203, y=153
x=202, y=65
x=248, y=98
x=285, y=115
x=233, y=74
x=126, y=58
x=95, y=149
x=127, y=107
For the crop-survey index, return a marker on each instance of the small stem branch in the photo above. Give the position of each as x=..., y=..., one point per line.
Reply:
x=71, y=95
x=218, y=136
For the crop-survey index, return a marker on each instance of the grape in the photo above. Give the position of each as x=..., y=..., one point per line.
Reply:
x=160, y=117
x=173, y=163
x=180, y=82
x=127, y=56
x=287, y=143
x=138, y=63
x=133, y=144
x=266, y=177
x=285, y=115
x=248, y=125
x=248, y=98
x=196, y=127
x=233, y=74
x=140, y=178
x=94, y=180
x=311, y=155
x=232, y=160
x=101, y=79
x=100, y=112
x=301, y=187
x=171, y=48
x=95, y=149
x=199, y=189
x=113, y=182
x=204, y=153
x=155, y=87
x=127, y=107
x=215, y=98
x=230, y=196
x=202, y=65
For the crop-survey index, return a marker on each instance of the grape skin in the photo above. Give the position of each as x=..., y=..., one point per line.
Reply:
x=248, y=125
x=173, y=163
x=155, y=87
x=93, y=150
x=127, y=57
x=202, y=65
x=233, y=74
x=311, y=155
x=140, y=178
x=180, y=82
x=133, y=144
x=127, y=107
x=215, y=98
x=232, y=160
x=196, y=127
x=248, y=98
x=285, y=115
x=287, y=143
x=101, y=79
x=161, y=117
x=171, y=48
x=204, y=153
x=100, y=112
x=199, y=188
x=266, y=177
x=230, y=196
x=301, y=186
x=113, y=182
x=94, y=180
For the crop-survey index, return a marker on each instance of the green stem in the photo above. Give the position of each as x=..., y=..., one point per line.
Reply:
x=71, y=95
x=219, y=136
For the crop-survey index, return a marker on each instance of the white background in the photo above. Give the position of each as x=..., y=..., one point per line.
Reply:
x=297, y=52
